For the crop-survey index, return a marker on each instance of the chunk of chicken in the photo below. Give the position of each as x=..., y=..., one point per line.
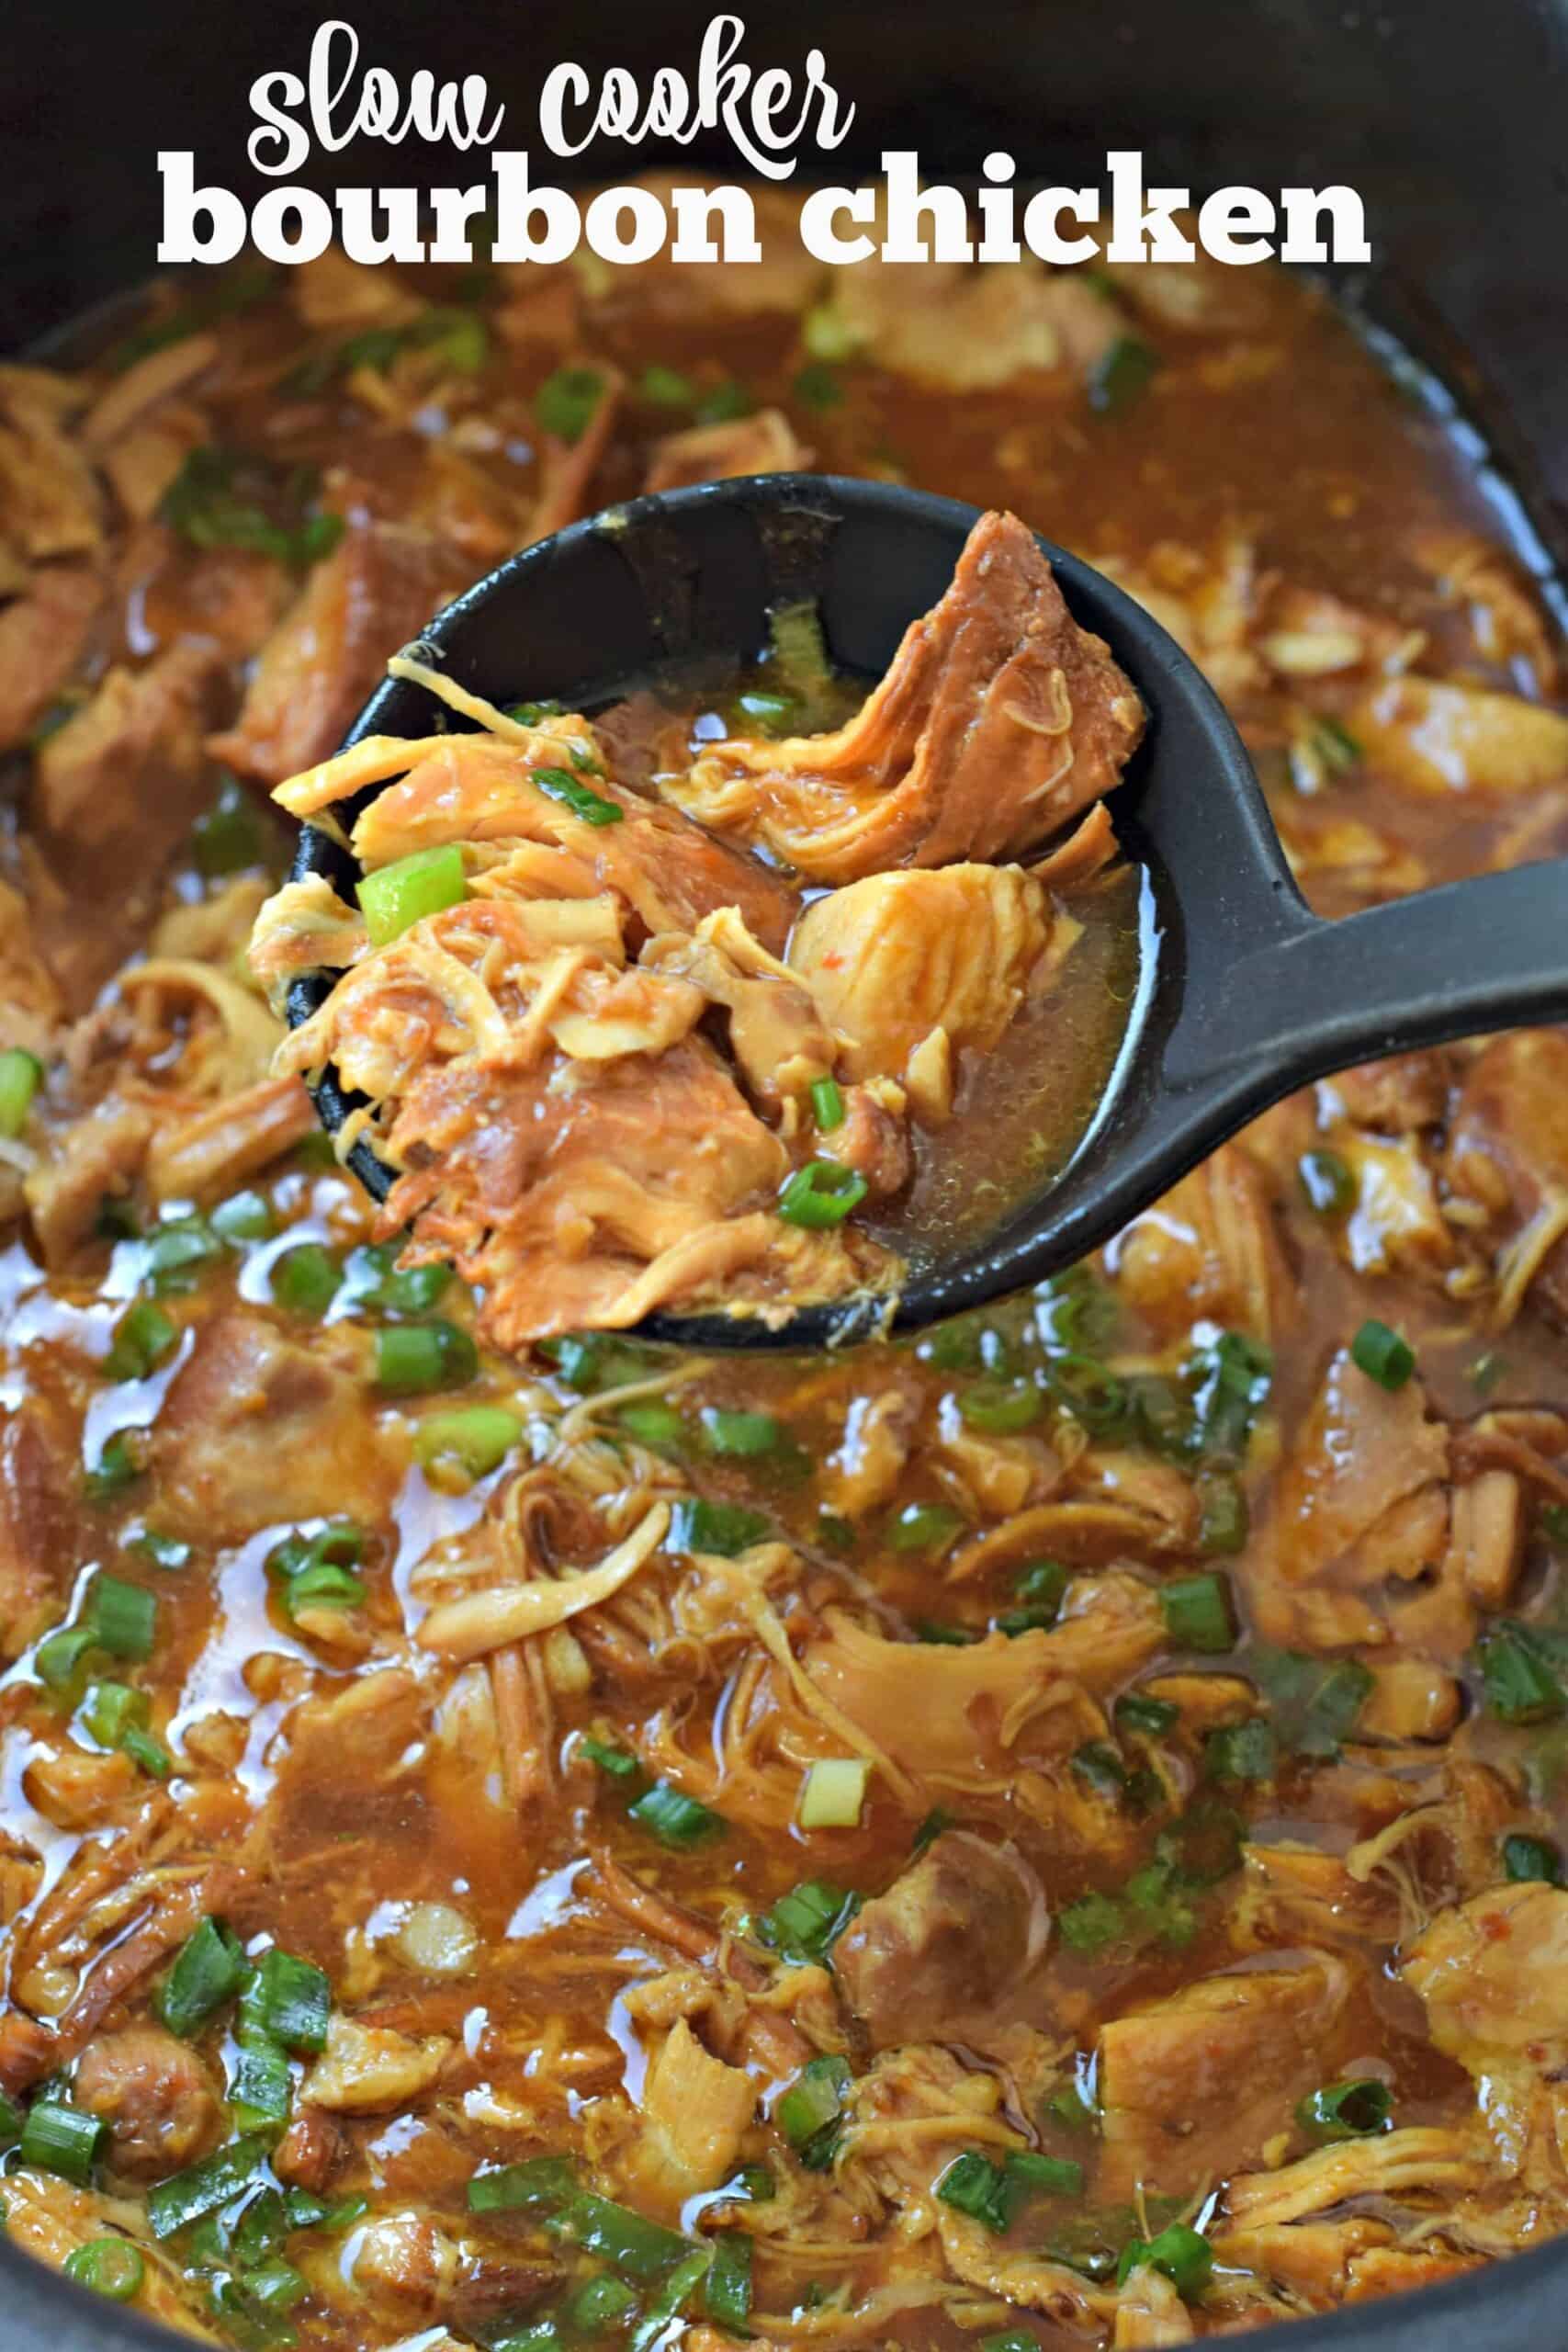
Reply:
x=698, y=2111
x=256, y=1428
x=761, y=444
x=1195, y=2086
x=1442, y=2164
x=1508, y=1152
x=1360, y=1496
x=378, y=588
x=949, y=1712
x=950, y=1939
x=155, y=2096
x=776, y=1034
x=44, y=635
x=1211, y=1247
x=37, y=1522
x=94, y=1159
x=1494, y=1974
x=1150, y=2312
x=998, y=720
x=409, y=2266
x=121, y=782
x=49, y=492
x=912, y=968
x=1432, y=738
x=365, y=2069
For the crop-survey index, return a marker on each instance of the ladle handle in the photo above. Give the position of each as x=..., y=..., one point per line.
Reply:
x=1456, y=962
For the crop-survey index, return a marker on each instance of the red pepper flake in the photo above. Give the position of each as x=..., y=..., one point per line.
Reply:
x=1497, y=1927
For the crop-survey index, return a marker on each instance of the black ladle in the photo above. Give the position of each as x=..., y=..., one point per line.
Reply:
x=1250, y=995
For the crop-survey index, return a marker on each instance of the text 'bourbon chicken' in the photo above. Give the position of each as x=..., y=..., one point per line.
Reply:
x=615, y=1059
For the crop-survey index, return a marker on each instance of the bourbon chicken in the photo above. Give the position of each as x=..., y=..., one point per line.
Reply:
x=514, y=1837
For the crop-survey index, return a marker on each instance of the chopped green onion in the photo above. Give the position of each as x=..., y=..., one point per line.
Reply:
x=397, y=896
x=414, y=1359
x=1244, y=1751
x=1222, y=1517
x=1526, y=1858
x=832, y=1794
x=618, y=1762
x=667, y=388
x=112, y=2268
x=652, y=1424
x=942, y=1637
x=924, y=1527
x=533, y=714
x=769, y=715
x=635, y=2244
x=203, y=2187
x=21, y=1074
x=723, y=1529
x=476, y=1437
x=166, y=1552
x=230, y=836
x=594, y=808
x=1136, y=1711
x=726, y=2291
x=1381, y=1354
x=111, y=1709
x=1197, y=1613
x=806, y=1923
x=1095, y=1398
x=755, y=2183
x=1520, y=1685
x=305, y=1280
x=1121, y=376
x=1351, y=2110
x=808, y=2112
x=244, y=1216
x=119, y=1465
x=821, y=1193
x=675, y=1819
x=826, y=1105
x=597, y=2304
x=62, y=2139
x=1326, y=1180
x=290, y=2000
x=536, y=2184
x=1334, y=1707
x=209, y=1968
x=1044, y=2176
x=1000, y=1407
x=175, y=1251
x=723, y=403
x=1552, y=1520
x=458, y=339
x=817, y=385
x=1182, y=2254
x=1091, y=1923
x=566, y=402
x=260, y=2085
x=59, y=1655
x=936, y=1824
x=745, y=1434
x=124, y=1617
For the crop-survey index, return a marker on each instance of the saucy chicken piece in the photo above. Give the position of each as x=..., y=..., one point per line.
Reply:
x=119, y=785
x=697, y=2110
x=762, y=444
x=948, y=1941
x=256, y=1428
x=998, y=720
x=912, y=968
x=1507, y=1151
x=1193, y=2086
x=44, y=635
x=377, y=589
